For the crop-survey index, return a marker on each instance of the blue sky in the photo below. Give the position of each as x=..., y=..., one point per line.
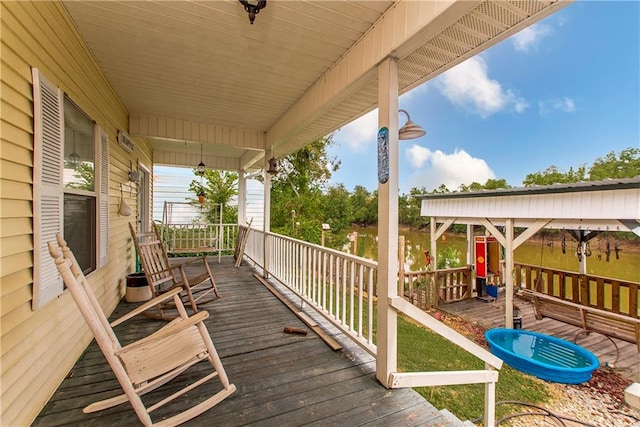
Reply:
x=562, y=92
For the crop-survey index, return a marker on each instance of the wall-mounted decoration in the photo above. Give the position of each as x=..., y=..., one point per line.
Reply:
x=124, y=210
x=383, y=155
x=125, y=142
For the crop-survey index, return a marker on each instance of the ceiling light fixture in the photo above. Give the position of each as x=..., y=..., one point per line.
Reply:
x=410, y=130
x=201, y=166
x=252, y=7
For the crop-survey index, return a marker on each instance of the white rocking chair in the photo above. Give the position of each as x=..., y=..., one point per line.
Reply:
x=152, y=361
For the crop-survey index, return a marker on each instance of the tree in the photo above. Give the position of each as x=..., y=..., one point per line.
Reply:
x=84, y=177
x=219, y=188
x=491, y=184
x=364, y=206
x=297, y=191
x=409, y=206
x=625, y=165
x=553, y=175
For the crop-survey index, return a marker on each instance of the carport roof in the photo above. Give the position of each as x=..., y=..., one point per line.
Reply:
x=603, y=185
x=609, y=205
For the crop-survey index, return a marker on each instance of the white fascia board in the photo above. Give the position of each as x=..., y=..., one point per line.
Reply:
x=621, y=204
x=401, y=29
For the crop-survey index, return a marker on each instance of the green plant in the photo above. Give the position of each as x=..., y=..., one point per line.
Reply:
x=448, y=257
x=419, y=349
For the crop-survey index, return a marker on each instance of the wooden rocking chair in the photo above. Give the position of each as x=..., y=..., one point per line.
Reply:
x=150, y=362
x=160, y=272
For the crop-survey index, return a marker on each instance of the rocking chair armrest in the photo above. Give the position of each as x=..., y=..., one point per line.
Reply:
x=170, y=329
x=147, y=305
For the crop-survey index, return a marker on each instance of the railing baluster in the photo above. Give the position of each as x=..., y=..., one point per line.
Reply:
x=360, y=298
x=344, y=290
x=337, y=290
x=370, y=307
x=331, y=282
x=352, y=296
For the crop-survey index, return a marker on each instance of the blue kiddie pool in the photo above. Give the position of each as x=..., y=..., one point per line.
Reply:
x=543, y=356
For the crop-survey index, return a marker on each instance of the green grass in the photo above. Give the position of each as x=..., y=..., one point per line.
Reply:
x=422, y=350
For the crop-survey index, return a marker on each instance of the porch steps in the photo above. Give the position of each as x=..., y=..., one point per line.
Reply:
x=453, y=421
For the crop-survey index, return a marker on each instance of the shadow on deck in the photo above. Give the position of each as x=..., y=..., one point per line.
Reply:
x=281, y=379
x=622, y=354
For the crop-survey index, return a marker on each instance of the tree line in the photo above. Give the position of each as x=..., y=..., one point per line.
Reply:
x=302, y=199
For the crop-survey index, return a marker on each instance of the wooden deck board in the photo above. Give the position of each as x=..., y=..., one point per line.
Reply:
x=281, y=379
x=491, y=315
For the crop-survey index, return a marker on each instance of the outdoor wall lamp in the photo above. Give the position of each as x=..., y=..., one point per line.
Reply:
x=410, y=130
x=253, y=7
x=273, y=166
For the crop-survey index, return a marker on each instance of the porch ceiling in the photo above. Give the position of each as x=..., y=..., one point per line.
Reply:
x=198, y=72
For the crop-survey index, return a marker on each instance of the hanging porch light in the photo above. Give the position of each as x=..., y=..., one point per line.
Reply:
x=252, y=7
x=201, y=167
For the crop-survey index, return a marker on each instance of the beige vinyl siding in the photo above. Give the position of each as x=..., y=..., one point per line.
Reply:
x=38, y=348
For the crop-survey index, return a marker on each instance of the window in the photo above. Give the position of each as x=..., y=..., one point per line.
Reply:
x=70, y=193
x=78, y=178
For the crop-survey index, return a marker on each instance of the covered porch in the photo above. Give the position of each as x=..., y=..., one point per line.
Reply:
x=183, y=83
x=281, y=379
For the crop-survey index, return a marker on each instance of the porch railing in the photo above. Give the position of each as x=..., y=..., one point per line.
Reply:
x=611, y=295
x=342, y=288
x=428, y=288
x=199, y=237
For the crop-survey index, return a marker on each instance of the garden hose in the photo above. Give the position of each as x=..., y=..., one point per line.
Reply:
x=543, y=412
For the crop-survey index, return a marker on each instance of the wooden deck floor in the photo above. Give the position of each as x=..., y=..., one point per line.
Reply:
x=491, y=315
x=281, y=379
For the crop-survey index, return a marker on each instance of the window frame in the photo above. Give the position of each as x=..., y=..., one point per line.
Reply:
x=49, y=190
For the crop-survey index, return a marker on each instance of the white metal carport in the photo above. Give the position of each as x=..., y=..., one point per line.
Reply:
x=610, y=205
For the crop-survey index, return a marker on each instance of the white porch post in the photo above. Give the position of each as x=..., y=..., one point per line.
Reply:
x=433, y=229
x=470, y=247
x=242, y=198
x=267, y=212
x=508, y=272
x=386, y=358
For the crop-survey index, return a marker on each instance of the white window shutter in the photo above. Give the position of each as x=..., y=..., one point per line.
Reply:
x=103, y=198
x=48, y=150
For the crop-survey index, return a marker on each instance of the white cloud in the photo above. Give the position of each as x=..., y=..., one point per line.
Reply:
x=418, y=155
x=360, y=134
x=564, y=105
x=529, y=38
x=451, y=169
x=469, y=86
